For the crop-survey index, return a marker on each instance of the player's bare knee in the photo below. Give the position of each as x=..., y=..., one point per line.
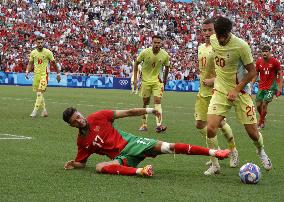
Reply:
x=157, y=100
x=211, y=131
x=146, y=101
x=200, y=124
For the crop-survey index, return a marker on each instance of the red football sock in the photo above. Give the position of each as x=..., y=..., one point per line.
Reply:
x=181, y=148
x=119, y=170
x=262, y=116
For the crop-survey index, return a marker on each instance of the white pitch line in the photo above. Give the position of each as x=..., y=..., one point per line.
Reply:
x=14, y=137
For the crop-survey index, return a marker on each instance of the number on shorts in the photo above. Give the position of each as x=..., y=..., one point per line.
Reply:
x=143, y=141
x=269, y=94
x=43, y=82
x=250, y=110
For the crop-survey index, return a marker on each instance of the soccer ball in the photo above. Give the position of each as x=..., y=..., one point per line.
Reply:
x=250, y=173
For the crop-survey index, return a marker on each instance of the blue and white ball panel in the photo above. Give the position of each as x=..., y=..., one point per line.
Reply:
x=250, y=173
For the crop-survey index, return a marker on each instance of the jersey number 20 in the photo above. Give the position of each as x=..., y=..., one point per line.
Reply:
x=220, y=61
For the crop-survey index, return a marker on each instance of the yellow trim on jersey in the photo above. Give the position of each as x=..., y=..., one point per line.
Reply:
x=152, y=66
x=229, y=63
x=40, y=60
x=206, y=68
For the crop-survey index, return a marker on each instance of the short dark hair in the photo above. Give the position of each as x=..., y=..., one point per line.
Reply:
x=266, y=47
x=208, y=21
x=68, y=113
x=157, y=36
x=39, y=38
x=223, y=25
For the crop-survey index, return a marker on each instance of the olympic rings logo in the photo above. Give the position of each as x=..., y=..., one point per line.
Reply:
x=123, y=82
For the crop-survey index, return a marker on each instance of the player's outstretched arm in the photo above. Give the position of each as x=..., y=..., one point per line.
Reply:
x=73, y=164
x=136, y=112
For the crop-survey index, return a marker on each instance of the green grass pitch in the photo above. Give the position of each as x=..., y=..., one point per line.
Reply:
x=32, y=169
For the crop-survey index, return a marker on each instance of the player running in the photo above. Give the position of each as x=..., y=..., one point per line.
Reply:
x=268, y=68
x=39, y=59
x=234, y=70
x=126, y=151
x=207, y=77
x=154, y=60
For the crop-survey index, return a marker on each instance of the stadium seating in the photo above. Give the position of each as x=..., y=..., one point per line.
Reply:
x=104, y=36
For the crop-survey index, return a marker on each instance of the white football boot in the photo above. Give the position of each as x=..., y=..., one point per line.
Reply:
x=213, y=169
x=234, y=158
x=34, y=113
x=266, y=162
x=208, y=163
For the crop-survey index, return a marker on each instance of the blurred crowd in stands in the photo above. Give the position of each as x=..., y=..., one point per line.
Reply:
x=105, y=36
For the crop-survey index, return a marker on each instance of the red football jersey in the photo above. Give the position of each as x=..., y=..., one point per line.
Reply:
x=102, y=138
x=267, y=71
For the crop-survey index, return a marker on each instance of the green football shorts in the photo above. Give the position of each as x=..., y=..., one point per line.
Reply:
x=266, y=95
x=136, y=150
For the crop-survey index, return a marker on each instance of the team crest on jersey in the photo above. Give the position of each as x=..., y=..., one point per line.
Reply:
x=97, y=128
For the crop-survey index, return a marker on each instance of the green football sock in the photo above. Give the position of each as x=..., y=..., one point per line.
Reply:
x=43, y=103
x=203, y=132
x=38, y=101
x=228, y=134
x=213, y=144
x=158, y=107
x=259, y=143
x=145, y=117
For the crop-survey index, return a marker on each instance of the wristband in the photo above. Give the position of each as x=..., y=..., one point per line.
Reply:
x=149, y=110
